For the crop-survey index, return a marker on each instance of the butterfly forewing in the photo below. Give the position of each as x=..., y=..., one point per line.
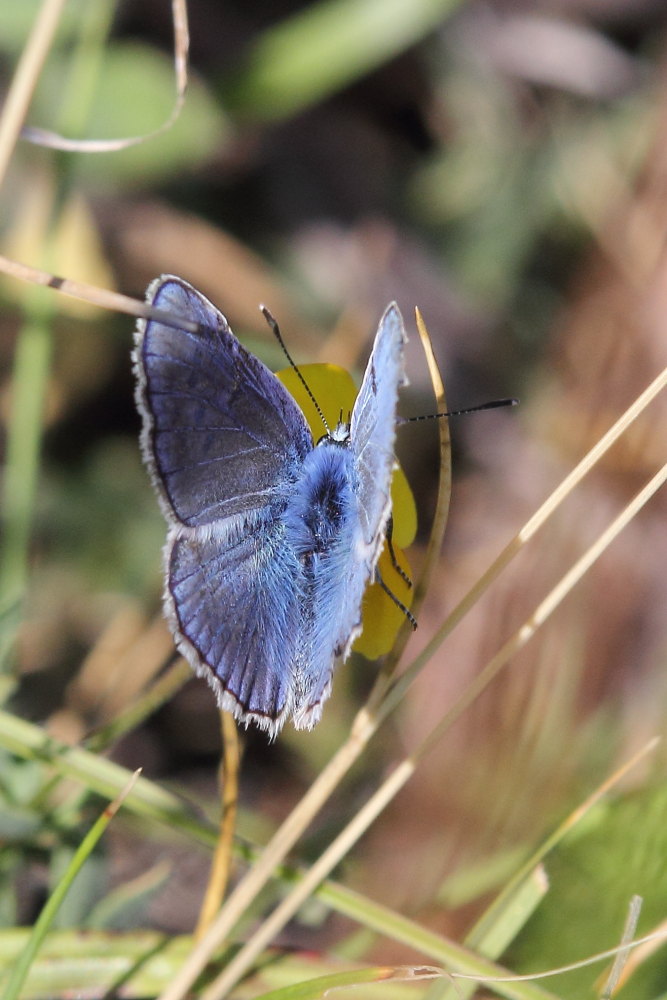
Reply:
x=221, y=434
x=372, y=463
x=373, y=427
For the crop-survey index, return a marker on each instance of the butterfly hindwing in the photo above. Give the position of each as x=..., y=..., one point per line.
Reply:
x=233, y=599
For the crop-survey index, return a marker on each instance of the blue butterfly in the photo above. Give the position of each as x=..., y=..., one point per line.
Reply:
x=272, y=538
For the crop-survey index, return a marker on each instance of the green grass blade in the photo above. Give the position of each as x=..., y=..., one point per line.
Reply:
x=55, y=900
x=450, y=955
x=492, y=938
x=313, y=989
x=102, y=776
x=327, y=46
x=24, y=438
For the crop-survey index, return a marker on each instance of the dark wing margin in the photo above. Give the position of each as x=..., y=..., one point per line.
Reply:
x=221, y=435
x=232, y=598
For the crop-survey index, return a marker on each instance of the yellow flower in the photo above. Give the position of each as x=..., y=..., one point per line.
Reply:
x=335, y=391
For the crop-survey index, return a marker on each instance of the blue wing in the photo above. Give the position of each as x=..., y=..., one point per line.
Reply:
x=225, y=444
x=372, y=437
x=373, y=427
x=233, y=599
x=221, y=435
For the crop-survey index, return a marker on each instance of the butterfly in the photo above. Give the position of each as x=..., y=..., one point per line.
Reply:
x=272, y=537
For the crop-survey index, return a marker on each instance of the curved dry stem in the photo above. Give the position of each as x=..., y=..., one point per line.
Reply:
x=441, y=514
x=221, y=867
x=53, y=140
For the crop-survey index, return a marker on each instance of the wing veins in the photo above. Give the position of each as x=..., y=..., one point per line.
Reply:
x=212, y=461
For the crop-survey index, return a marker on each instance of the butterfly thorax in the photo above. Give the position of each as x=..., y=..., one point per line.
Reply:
x=323, y=501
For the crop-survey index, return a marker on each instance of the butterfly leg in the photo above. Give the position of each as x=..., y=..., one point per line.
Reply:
x=399, y=604
x=392, y=555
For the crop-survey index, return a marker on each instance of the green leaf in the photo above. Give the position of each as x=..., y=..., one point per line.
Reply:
x=593, y=875
x=135, y=95
x=327, y=46
x=21, y=968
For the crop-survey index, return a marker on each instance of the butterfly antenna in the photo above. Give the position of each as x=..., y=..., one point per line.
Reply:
x=273, y=323
x=458, y=413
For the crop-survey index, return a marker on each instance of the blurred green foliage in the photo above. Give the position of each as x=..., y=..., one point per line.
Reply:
x=617, y=852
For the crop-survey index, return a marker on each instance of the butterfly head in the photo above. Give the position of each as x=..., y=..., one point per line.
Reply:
x=340, y=434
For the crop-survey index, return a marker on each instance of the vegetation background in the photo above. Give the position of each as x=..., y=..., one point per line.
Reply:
x=502, y=165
